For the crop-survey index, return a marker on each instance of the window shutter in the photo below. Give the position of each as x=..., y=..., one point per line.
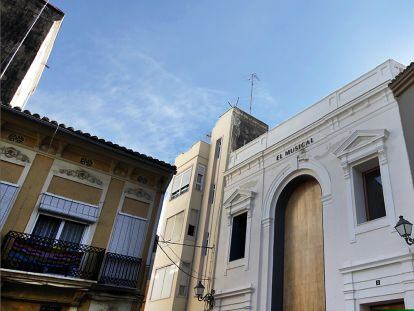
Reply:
x=7, y=195
x=168, y=280
x=157, y=286
x=176, y=183
x=186, y=178
x=169, y=227
x=179, y=220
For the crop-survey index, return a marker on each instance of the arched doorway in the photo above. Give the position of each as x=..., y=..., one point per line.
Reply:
x=298, y=252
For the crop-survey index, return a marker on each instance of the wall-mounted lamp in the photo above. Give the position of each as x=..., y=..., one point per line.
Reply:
x=404, y=229
x=208, y=298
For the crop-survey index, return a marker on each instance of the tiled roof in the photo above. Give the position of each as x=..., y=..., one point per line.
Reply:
x=78, y=133
x=409, y=70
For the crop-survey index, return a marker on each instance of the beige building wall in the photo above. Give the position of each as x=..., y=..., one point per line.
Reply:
x=35, y=165
x=233, y=129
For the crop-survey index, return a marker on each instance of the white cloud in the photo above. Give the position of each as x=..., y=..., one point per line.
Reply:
x=136, y=103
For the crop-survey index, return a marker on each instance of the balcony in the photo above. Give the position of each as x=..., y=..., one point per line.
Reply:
x=120, y=270
x=31, y=253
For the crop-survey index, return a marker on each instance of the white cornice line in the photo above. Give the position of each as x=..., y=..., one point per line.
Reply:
x=363, y=265
x=320, y=122
x=235, y=291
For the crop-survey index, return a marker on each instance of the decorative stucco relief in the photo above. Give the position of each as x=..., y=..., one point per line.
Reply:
x=10, y=152
x=82, y=175
x=139, y=192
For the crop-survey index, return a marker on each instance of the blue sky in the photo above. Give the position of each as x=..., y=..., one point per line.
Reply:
x=155, y=75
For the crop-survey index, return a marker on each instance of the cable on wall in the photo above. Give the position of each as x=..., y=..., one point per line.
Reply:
x=178, y=257
x=24, y=38
x=179, y=268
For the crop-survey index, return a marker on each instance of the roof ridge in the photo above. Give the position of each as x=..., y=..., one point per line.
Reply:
x=86, y=135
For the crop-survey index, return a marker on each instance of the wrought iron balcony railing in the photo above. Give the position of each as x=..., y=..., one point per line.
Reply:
x=27, y=252
x=120, y=270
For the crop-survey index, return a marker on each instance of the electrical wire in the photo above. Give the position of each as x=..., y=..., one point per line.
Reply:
x=24, y=38
x=178, y=257
x=179, y=268
x=193, y=245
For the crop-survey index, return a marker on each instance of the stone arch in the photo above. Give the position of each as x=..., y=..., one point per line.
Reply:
x=289, y=173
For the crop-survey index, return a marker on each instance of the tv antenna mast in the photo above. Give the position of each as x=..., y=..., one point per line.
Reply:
x=253, y=76
x=234, y=105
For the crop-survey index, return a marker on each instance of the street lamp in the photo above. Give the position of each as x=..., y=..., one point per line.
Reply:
x=208, y=298
x=404, y=229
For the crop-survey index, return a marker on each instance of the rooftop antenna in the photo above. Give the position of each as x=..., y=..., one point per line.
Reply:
x=234, y=105
x=253, y=76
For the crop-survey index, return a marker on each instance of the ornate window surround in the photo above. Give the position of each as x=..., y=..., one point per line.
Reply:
x=238, y=202
x=21, y=157
x=79, y=174
x=360, y=146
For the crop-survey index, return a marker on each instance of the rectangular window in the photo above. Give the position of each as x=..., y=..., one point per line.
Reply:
x=173, y=227
x=212, y=194
x=374, y=197
x=218, y=148
x=60, y=229
x=192, y=223
x=162, y=283
x=238, y=237
x=201, y=170
x=181, y=183
x=368, y=192
x=7, y=195
x=185, y=279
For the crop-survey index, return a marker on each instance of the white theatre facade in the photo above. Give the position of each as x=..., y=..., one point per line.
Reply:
x=309, y=208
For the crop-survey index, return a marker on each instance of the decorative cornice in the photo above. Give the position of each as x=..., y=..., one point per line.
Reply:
x=139, y=192
x=82, y=175
x=10, y=152
x=371, y=137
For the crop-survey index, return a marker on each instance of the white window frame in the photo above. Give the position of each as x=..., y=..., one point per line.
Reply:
x=239, y=202
x=25, y=160
x=62, y=224
x=181, y=189
x=352, y=153
x=174, y=226
x=191, y=223
x=168, y=269
x=201, y=170
x=184, y=278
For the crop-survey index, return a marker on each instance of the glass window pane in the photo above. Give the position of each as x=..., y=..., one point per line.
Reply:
x=238, y=237
x=72, y=232
x=373, y=194
x=47, y=226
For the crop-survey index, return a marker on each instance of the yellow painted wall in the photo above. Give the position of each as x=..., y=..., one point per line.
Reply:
x=28, y=195
x=135, y=207
x=10, y=172
x=108, y=214
x=74, y=190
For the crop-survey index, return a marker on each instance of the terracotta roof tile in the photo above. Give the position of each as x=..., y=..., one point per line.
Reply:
x=45, y=120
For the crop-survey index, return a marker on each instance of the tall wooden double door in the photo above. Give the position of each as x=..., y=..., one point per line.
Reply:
x=304, y=278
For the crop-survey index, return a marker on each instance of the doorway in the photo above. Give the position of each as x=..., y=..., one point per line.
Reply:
x=298, y=266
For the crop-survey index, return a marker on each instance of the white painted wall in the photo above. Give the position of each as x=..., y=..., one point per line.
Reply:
x=33, y=74
x=355, y=255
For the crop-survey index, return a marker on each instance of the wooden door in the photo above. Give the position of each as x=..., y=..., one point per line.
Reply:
x=304, y=280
